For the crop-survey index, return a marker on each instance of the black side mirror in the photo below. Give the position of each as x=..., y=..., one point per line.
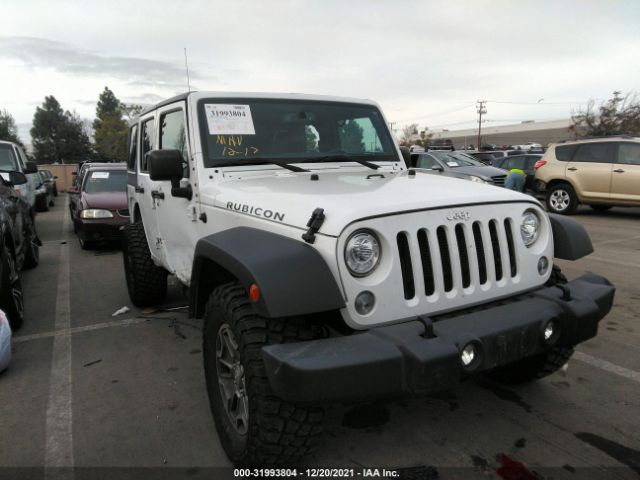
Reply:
x=30, y=167
x=168, y=165
x=406, y=155
x=14, y=178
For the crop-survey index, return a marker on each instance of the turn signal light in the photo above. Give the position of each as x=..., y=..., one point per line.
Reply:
x=254, y=293
x=539, y=163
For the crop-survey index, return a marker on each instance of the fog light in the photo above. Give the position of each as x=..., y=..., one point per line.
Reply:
x=468, y=354
x=543, y=265
x=365, y=302
x=549, y=330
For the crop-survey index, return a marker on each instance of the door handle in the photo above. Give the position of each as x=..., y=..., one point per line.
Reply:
x=157, y=195
x=572, y=169
x=619, y=170
x=139, y=190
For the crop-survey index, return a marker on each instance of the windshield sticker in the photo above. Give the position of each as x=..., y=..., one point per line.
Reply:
x=234, y=146
x=452, y=164
x=97, y=175
x=225, y=119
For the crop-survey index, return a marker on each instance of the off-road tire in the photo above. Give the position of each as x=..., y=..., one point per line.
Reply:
x=146, y=282
x=11, y=297
x=533, y=368
x=564, y=190
x=279, y=432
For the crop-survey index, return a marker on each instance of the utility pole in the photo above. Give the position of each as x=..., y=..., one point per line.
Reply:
x=481, y=109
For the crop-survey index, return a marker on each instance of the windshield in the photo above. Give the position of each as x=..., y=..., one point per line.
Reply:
x=456, y=159
x=238, y=130
x=106, y=181
x=7, y=158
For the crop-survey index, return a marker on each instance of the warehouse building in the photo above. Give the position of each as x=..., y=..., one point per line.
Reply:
x=517, y=134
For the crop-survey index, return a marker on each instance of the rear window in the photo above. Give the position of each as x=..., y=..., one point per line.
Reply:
x=565, y=152
x=106, y=181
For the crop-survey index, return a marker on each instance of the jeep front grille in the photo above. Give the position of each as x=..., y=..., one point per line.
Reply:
x=464, y=254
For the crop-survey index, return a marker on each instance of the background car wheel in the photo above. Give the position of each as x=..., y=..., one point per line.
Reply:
x=85, y=244
x=11, y=299
x=51, y=202
x=254, y=425
x=32, y=254
x=146, y=282
x=562, y=199
x=600, y=208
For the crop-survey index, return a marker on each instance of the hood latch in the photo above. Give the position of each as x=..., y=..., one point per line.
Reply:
x=314, y=224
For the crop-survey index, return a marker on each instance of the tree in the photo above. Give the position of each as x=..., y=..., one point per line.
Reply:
x=109, y=129
x=8, y=129
x=408, y=134
x=425, y=138
x=131, y=110
x=618, y=115
x=58, y=136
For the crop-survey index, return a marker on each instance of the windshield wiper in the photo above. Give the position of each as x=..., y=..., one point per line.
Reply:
x=342, y=158
x=259, y=161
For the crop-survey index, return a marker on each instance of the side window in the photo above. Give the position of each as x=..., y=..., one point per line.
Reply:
x=173, y=135
x=565, y=152
x=22, y=158
x=629, y=153
x=427, y=162
x=595, y=153
x=147, y=143
x=133, y=143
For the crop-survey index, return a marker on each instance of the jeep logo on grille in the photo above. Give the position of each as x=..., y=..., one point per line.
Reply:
x=459, y=215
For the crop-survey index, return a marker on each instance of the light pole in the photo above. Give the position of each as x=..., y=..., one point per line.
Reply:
x=481, y=109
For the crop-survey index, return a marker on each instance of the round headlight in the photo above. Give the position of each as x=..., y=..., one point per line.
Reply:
x=362, y=253
x=530, y=227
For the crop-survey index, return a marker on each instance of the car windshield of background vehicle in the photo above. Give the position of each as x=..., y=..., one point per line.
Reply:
x=106, y=181
x=457, y=159
x=239, y=130
x=7, y=158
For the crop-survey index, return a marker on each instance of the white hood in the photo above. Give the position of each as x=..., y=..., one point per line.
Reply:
x=347, y=196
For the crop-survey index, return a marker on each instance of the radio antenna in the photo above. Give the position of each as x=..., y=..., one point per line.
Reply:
x=186, y=66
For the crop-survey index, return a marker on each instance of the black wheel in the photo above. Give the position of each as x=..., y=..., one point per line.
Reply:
x=32, y=253
x=51, y=202
x=562, y=199
x=55, y=191
x=533, y=368
x=11, y=299
x=146, y=282
x=255, y=426
x=600, y=208
x=84, y=243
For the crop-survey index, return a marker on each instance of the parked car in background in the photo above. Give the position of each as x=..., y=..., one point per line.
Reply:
x=459, y=165
x=44, y=193
x=74, y=190
x=5, y=342
x=600, y=172
x=102, y=204
x=441, y=144
x=19, y=245
x=50, y=178
x=524, y=162
x=528, y=146
x=13, y=159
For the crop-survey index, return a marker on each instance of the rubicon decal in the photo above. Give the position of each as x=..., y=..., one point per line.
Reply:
x=257, y=211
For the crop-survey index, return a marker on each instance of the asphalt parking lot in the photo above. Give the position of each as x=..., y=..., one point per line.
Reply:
x=91, y=390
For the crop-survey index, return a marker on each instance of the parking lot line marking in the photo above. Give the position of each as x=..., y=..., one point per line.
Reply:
x=59, y=431
x=607, y=366
x=70, y=331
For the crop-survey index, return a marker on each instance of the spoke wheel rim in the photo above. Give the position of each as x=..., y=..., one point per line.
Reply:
x=231, y=380
x=560, y=200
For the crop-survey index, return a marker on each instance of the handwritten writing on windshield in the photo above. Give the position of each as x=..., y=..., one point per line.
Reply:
x=233, y=146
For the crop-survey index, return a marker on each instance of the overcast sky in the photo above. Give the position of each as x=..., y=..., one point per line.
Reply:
x=423, y=61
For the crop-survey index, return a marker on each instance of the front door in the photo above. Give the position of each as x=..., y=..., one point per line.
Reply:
x=176, y=215
x=590, y=170
x=625, y=178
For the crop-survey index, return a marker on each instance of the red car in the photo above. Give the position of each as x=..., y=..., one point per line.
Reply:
x=102, y=208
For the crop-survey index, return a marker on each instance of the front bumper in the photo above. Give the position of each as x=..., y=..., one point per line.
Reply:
x=409, y=358
x=107, y=229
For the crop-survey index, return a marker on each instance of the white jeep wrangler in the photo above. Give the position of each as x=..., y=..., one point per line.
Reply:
x=326, y=271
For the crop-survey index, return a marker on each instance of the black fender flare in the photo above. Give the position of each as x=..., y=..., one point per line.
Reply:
x=570, y=239
x=292, y=276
